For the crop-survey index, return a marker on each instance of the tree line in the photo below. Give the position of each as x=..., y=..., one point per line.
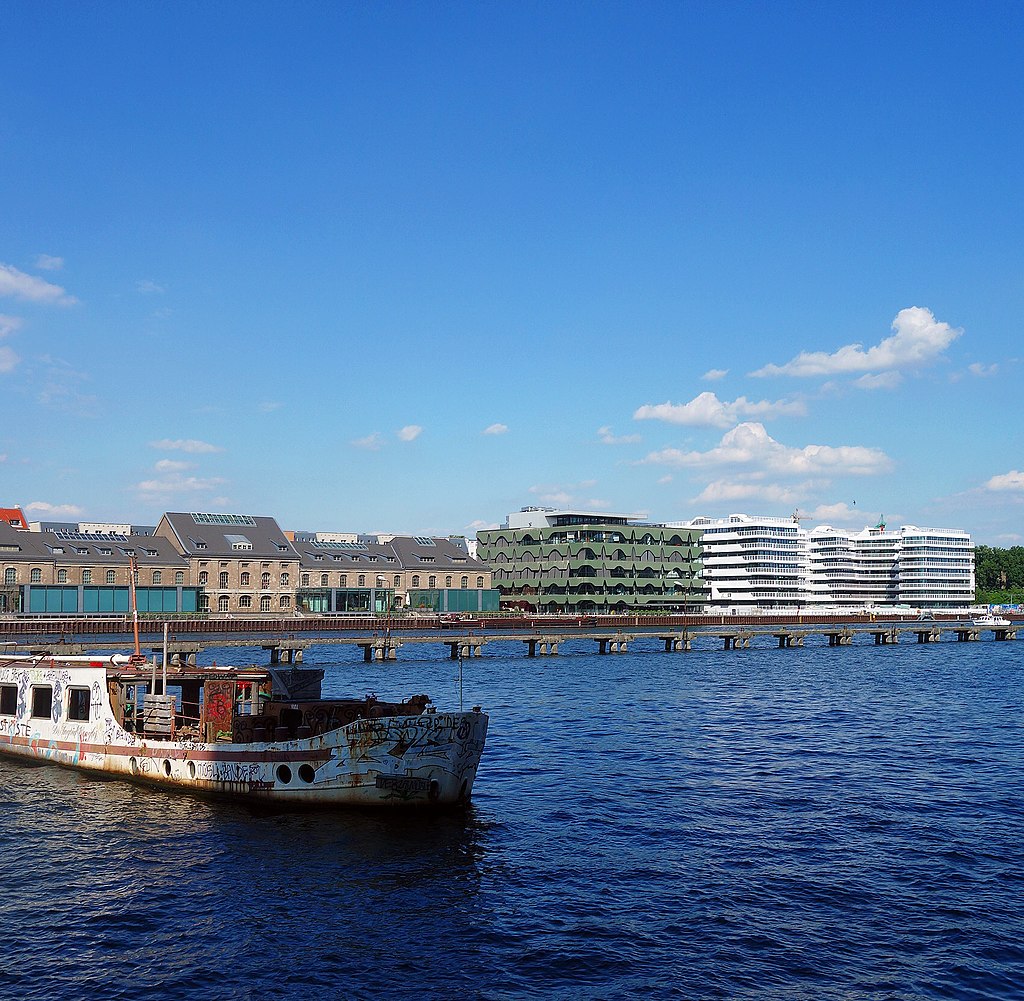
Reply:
x=999, y=574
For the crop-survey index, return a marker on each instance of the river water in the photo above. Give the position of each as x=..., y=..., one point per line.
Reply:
x=810, y=823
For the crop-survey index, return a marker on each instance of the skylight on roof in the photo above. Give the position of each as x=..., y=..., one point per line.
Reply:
x=340, y=545
x=224, y=519
x=422, y=540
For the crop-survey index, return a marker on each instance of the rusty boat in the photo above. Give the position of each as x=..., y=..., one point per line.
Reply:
x=253, y=733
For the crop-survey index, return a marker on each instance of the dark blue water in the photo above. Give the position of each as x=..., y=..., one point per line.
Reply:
x=800, y=824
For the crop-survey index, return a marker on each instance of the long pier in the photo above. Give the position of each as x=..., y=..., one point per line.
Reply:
x=383, y=645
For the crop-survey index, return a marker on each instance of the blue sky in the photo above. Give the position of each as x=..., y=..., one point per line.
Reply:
x=409, y=267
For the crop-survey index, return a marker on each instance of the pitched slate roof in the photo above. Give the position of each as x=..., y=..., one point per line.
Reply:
x=238, y=536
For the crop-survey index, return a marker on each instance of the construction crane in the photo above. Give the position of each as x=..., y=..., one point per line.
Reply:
x=798, y=517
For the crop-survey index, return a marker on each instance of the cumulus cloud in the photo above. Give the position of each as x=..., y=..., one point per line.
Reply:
x=170, y=466
x=47, y=263
x=749, y=446
x=707, y=410
x=55, y=510
x=720, y=491
x=1013, y=481
x=982, y=370
x=569, y=495
x=372, y=442
x=606, y=437
x=714, y=374
x=178, y=485
x=918, y=339
x=19, y=285
x=495, y=429
x=190, y=445
x=884, y=380
x=410, y=432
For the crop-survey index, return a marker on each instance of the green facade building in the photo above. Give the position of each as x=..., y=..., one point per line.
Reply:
x=552, y=560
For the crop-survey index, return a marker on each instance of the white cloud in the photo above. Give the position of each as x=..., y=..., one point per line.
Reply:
x=478, y=525
x=569, y=496
x=372, y=442
x=884, y=380
x=707, y=410
x=57, y=510
x=47, y=263
x=179, y=485
x=410, y=432
x=749, y=446
x=982, y=370
x=496, y=429
x=919, y=339
x=8, y=359
x=190, y=445
x=8, y=324
x=19, y=285
x=720, y=491
x=170, y=466
x=607, y=438
x=269, y=406
x=667, y=478
x=147, y=287
x=714, y=374
x=1012, y=480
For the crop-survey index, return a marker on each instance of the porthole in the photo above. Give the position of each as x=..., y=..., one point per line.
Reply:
x=307, y=772
x=284, y=774
x=167, y=767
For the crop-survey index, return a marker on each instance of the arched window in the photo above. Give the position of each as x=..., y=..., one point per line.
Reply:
x=265, y=603
x=323, y=580
x=204, y=578
x=62, y=576
x=244, y=579
x=343, y=580
x=179, y=577
x=87, y=576
x=479, y=582
x=284, y=579
x=222, y=603
x=362, y=580
x=398, y=580
x=10, y=576
x=204, y=603
x=415, y=580
x=245, y=601
x=432, y=581
x=158, y=578
x=111, y=576
x=36, y=575
x=286, y=601
x=305, y=580
x=223, y=578
x=447, y=582
x=265, y=583
x=464, y=583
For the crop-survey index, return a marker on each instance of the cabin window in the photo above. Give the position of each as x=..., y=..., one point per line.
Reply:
x=8, y=700
x=78, y=703
x=42, y=701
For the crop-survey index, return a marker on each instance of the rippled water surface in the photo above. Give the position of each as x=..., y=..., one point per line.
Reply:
x=804, y=824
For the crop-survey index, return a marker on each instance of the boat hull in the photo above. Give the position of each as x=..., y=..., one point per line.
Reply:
x=429, y=759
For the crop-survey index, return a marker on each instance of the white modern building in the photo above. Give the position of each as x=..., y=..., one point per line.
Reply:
x=754, y=562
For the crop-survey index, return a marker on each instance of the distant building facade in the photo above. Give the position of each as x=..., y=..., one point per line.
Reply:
x=551, y=559
x=761, y=562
